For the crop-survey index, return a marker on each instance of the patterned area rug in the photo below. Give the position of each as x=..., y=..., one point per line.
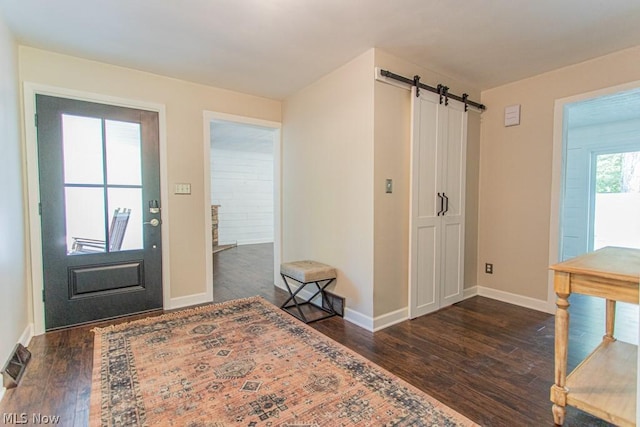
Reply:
x=245, y=363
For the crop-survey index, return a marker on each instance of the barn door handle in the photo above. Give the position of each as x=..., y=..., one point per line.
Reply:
x=441, y=204
x=446, y=199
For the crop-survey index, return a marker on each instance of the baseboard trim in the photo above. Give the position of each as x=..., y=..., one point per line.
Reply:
x=254, y=241
x=245, y=242
x=189, y=300
x=469, y=292
x=385, y=320
x=390, y=319
x=358, y=319
x=27, y=335
x=519, y=300
x=350, y=315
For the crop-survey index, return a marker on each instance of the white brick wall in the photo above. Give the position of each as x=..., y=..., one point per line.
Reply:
x=242, y=184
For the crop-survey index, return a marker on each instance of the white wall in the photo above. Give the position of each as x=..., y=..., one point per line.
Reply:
x=327, y=158
x=14, y=309
x=242, y=184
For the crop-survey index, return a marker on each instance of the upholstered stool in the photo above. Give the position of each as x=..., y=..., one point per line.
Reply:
x=306, y=272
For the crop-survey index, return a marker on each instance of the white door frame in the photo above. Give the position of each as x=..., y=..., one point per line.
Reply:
x=559, y=138
x=210, y=116
x=30, y=90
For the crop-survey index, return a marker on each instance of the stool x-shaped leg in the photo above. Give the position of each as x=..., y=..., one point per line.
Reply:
x=321, y=291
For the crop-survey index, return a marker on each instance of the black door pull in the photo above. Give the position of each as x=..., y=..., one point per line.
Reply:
x=446, y=208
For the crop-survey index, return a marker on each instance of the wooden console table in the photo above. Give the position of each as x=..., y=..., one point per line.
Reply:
x=604, y=384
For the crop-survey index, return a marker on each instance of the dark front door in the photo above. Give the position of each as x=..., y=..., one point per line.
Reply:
x=100, y=210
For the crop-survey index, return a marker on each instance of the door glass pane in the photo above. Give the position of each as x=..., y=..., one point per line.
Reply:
x=617, y=200
x=126, y=233
x=123, y=153
x=84, y=220
x=82, y=148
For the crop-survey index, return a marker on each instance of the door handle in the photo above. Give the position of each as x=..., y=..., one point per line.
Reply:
x=441, y=204
x=154, y=222
x=446, y=199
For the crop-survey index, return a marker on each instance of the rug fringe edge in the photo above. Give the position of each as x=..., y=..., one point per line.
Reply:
x=169, y=315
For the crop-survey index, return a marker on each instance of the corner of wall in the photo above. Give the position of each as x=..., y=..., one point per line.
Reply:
x=392, y=136
x=327, y=164
x=14, y=306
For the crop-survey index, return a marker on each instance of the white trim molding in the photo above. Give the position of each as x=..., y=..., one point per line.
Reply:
x=352, y=316
x=390, y=319
x=30, y=90
x=358, y=319
x=27, y=334
x=378, y=323
x=469, y=292
x=189, y=300
x=519, y=300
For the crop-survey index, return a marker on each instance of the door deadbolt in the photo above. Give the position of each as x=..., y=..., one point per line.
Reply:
x=154, y=222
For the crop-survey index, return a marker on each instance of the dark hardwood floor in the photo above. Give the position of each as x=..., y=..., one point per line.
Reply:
x=491, y=361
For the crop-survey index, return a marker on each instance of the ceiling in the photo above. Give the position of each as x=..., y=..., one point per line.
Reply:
x=618, y=107
x=273, y=48
x=232, y=136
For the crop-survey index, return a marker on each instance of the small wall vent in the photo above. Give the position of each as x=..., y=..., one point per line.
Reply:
x=336, y=301
x=15, y=366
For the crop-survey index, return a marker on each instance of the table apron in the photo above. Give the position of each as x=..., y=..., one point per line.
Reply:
x=617, y=290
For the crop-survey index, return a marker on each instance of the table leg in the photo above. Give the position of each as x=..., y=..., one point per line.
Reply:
x=611, y=320
x=559, y=390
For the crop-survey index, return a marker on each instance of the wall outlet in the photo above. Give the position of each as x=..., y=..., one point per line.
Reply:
x=488, y=268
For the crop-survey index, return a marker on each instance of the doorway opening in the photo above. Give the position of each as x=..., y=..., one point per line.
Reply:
x=241, y=184
x=596, y=138
x=243, y=194
x=601, y=174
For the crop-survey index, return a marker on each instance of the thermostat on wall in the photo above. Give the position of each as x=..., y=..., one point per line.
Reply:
x=512, y=115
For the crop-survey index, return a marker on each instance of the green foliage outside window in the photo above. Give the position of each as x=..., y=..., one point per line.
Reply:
x=609, y=173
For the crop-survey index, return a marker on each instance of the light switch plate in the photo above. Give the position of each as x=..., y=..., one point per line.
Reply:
x=183, y=188
x=389, y=186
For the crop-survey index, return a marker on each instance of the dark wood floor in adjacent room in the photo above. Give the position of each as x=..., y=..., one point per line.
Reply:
x=491, y=361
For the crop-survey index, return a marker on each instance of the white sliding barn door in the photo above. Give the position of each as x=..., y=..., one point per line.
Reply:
x=455, y=153
x=438, y=159
x=424, y=259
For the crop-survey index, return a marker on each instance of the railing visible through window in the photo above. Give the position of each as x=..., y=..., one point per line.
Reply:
x=103, y=185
